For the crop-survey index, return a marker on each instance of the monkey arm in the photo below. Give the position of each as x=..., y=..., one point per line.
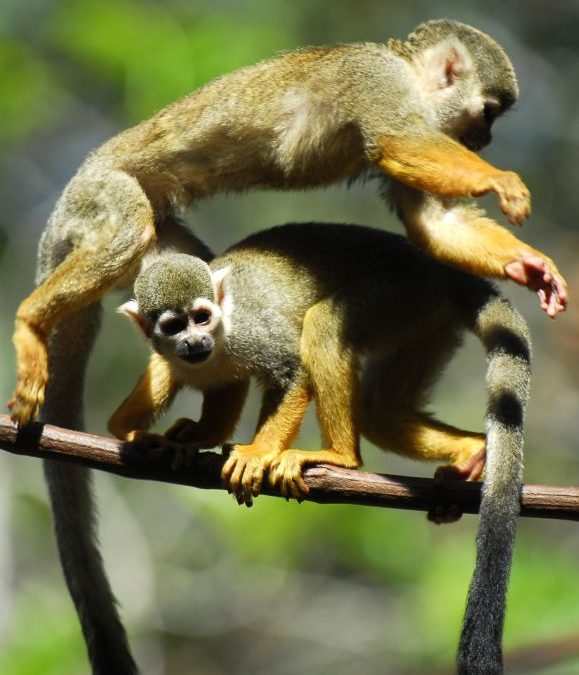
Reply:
x=332, y=370
x=437, y=164
x=155, y=390
x=219, y=415
x=460, y=234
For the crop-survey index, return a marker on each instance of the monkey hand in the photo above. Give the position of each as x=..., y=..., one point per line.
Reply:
x=514, y=196
x=32, y=376
x=160, y=448
x=194, y=433
x=285, y=473
x=540, y=275
x=469, y=469
x=244, y=470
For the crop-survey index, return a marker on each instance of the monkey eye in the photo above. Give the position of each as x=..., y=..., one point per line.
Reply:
x=201, y=317
x=173, y=325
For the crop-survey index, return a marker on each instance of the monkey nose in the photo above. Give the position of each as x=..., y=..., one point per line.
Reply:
x=477, y=140
x=196, y=350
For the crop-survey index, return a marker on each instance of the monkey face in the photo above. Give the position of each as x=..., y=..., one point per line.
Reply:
x=189, y=335
x=477, y=134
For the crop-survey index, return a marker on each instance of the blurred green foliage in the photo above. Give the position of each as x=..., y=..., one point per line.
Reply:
x=27, y=84
x=205, y=586
x=148, y=42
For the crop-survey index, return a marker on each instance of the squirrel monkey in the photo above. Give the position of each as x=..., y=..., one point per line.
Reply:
x=415, y=110
x=323, y=312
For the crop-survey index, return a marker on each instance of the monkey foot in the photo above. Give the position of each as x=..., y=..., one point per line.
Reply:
x=535, y=273
x=514, y=196
x=285, y=473
x=25, y=403
x=32, y=377
x=469, y=470
x=28, y=397
x=243, y=472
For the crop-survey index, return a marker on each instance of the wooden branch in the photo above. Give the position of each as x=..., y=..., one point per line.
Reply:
x=328, y=485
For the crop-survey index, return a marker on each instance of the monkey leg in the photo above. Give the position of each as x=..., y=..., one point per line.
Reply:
x=443, y=167
x=331, y=367
x=81, y=279
x=418, y=436
x=394, y=388
x=280, y=419
x=460, y=234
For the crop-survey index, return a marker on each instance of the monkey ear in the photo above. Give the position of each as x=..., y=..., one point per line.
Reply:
x=219, y=281
x=131, y=309
x=444, y=63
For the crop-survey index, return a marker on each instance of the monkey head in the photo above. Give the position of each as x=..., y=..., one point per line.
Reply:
x=466, y=78
x=177, y=308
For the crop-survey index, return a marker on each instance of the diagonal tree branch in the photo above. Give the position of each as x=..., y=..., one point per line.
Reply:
x=328, y=485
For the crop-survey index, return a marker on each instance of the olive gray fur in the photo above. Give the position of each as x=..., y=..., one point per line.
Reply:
x=385, y=291
x=304, y=119
x=171, y=281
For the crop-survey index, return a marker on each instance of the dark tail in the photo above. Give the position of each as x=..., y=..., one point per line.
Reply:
x=505, y=335
x=72, y=503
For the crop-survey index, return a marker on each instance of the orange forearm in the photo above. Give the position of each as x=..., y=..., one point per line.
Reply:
x=439, y=165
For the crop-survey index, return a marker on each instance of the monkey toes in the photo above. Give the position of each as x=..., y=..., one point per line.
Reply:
x=514, y=196
x=32, y=376
x=469, y=470
x=26, y=401
x=541, y=276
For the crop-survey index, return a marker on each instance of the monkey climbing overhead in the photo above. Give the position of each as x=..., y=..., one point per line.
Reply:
x=415, y=111
x=323, y=312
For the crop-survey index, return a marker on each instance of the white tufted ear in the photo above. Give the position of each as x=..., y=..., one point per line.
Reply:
x=442, y=64
x=131, y=309
x=219, y=281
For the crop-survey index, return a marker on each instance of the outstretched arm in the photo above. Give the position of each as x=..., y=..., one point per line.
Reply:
x=437, y=164
x=460, y=234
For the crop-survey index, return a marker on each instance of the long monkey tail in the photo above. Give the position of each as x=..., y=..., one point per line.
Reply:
x=72, y=502
x=506, y=338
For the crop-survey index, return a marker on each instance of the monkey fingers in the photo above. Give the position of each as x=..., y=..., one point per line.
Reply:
x=514, y=196
x=159, y=447
x=190, y=432
x=540, y=275
x=183, y=430
x=285, y=473
x=32, y=377
x=244, y=470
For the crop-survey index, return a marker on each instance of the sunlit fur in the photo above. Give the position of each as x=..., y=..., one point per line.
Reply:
x=304, y=119
x=324, y=312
